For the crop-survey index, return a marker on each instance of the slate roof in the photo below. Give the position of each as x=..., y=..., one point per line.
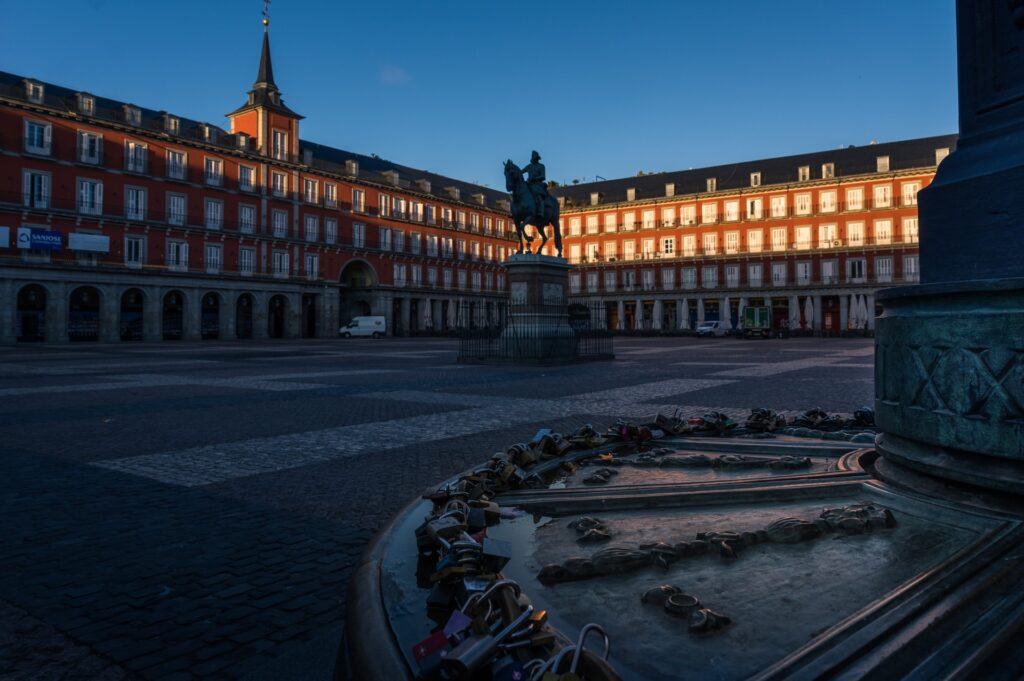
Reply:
x=853, y=160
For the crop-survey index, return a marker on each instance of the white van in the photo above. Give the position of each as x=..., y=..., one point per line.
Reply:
x=711, y=329
x=374, y=327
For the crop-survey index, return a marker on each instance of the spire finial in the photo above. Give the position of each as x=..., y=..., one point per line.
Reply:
x=266, y=14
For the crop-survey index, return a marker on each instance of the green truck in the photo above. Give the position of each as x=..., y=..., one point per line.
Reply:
x=757, y=322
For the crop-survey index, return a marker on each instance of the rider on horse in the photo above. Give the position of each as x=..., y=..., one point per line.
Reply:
x=537, y=181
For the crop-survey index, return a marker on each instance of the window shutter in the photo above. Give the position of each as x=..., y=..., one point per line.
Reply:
x=79, y=145
x=99, y=197
x=47, y=132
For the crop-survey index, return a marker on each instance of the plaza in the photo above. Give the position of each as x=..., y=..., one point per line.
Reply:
x=197, y=508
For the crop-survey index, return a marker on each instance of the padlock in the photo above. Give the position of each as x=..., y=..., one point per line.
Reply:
x=496, y=554
x=475, y=652
x=492, y=512
x=507, y=669
x=445, y=527
x=428, y=653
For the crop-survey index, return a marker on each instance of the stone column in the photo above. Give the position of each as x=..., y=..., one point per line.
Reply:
x=57, y=313
x=621, y=323
x=259, y=316
x=293, y=316
x=226, y=315
x=700, y=311
x=110, y=315
x=193, y=315
x=8, y=308
x=844, y=313
x=152, y=314
x=819, y=324
x=869, y=302
x=404, y=307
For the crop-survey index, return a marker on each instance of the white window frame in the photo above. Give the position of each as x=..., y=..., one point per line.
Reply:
x=31, y=198
x=137, y=212
x=177, y=170
x=213, y=171
x=134, y=245
x=173, y=217
x=213, y=258
x=136, y=156
x=45, y=137
x=213, y=213
x=94, y=206
x=247, y=226
x=177, y=255
x=90, y=147
x=247, y=180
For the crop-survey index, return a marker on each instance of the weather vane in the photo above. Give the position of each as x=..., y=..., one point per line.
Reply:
x=266, y=13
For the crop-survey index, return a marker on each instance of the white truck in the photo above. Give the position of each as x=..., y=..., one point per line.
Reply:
x=374, y=327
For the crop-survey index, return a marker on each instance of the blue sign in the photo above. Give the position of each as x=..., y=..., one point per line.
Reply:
x=39, y=239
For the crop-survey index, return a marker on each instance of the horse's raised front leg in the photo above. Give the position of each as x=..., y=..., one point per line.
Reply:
x=543, y=232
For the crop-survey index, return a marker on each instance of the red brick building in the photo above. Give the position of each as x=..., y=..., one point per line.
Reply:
x=119, y=222
x=812, y=236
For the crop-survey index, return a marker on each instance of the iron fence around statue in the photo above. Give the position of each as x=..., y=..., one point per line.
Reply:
x=576, y=331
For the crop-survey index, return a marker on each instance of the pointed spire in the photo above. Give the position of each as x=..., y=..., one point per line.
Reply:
x=265, y=77
x=264, y=92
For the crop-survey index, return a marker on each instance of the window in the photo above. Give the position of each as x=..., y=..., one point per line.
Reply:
x=755, y=209
x=488, y=225
x=431, y=218
x=628, y=280
x=732, y=242
x=755, y=179
x=779, y=240
x=883, y=196
x=311, y=228
x=279, y=148
x=855, y=270
x=591, y=224
x=398, y=237
x=86, y=104
x=135, y=203
x=828, y=170
x=574, y=282
x=136, y=155
x=803, y=273
x=90, y=147
x=610, y=222
x=778, y=274
x=474, y=223
x=246, y=219
x=447, y=278
x=461, y=248
x=501, y=228
x=829, y=272
x=709, y=276
x=689, y=245
x=940, y=155
x=883, y=232
x=710, y=243
x=803, y=173
x=384, y=239
x=803, y=238
x=668, y=278
x=610, y=250
x=398, y=274
x=432, y=277
x=358, y=234
x=712, y=184
x=432, y=251
x=279, y=223
x=629, y=250
x=802, y=204
x=36, y=189
x=90, y=197
x=309, y=191
x=882, y=164
x=358, y=201
x=855, y=199
x=417, y=275
x=37, y=137
x=213, y=258
x=648, y=280
x=779, y=206
x=593, y=252
x=177, y=256
x=34, y=91
x=827, y=202
x=648, y=219
x=476, y=281
x=910, y=230
x=854, y=233
x=246, y=178
x=629, y=221
x=214, y=213
x=177, y=162
x=883, y=269
x=134, y=251
x=732, y=211
x=688, y=215
x=279, y=184
x=213, y=171
x=312, y=266
x=176, y=209
x=631, y=194
x=911, y=268
x=668, y=246
x=709, y=213
x=668, y=217
x=688, y=277
x=279, y=263
x=330, y=195
x=828, y=236
x=755, y=274
x=462, y=279
x=575, y=226
x=330, y=230
x=415, y=243
x=609, y=280
x=909, y=191
x=246, y=260
x=462, y=221
x=173, y=125
x=754, y=243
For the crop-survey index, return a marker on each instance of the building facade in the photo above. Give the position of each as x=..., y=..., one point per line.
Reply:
x=121, y=223
x=812, y=236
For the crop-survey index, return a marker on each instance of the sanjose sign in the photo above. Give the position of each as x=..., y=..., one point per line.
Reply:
x=39, y=239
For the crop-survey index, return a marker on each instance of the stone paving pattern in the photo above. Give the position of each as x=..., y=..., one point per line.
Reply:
x=194, y=510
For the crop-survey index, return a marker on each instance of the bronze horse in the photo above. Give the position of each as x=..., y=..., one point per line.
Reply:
x=524, y=211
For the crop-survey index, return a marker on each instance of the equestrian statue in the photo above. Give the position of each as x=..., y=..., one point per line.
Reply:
x=531, y=203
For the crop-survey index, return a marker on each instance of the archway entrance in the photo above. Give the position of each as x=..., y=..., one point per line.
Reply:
x=131, y=315
x=84, y=314
x=243, y=316
x=174, y=316
x=276, y=313
x=210, y=319
x=308, y=315
x=30, y=322
x=356, y=279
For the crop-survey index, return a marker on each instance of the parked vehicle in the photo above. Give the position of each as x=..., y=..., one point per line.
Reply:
x=375, y=327
x=757, y=322
x=716, y=329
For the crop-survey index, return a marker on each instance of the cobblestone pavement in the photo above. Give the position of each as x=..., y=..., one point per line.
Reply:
x=194, y=510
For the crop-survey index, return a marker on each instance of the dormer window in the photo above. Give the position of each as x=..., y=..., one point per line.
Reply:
x=712, y=184
x=803, y=173
x=595, y=197
x=828, y=170
x=172, y=124
x=755, y=179
x=34, y=91
x=242, y=140
x=132, y=115
x=670, y=189
x=86, y=104
x=882, y=164
x=209, y=133
x=941, y=154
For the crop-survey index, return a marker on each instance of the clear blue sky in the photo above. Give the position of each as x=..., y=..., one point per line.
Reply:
x=599, y=88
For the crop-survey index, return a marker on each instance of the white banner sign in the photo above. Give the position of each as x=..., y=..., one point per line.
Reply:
x=95, y=243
